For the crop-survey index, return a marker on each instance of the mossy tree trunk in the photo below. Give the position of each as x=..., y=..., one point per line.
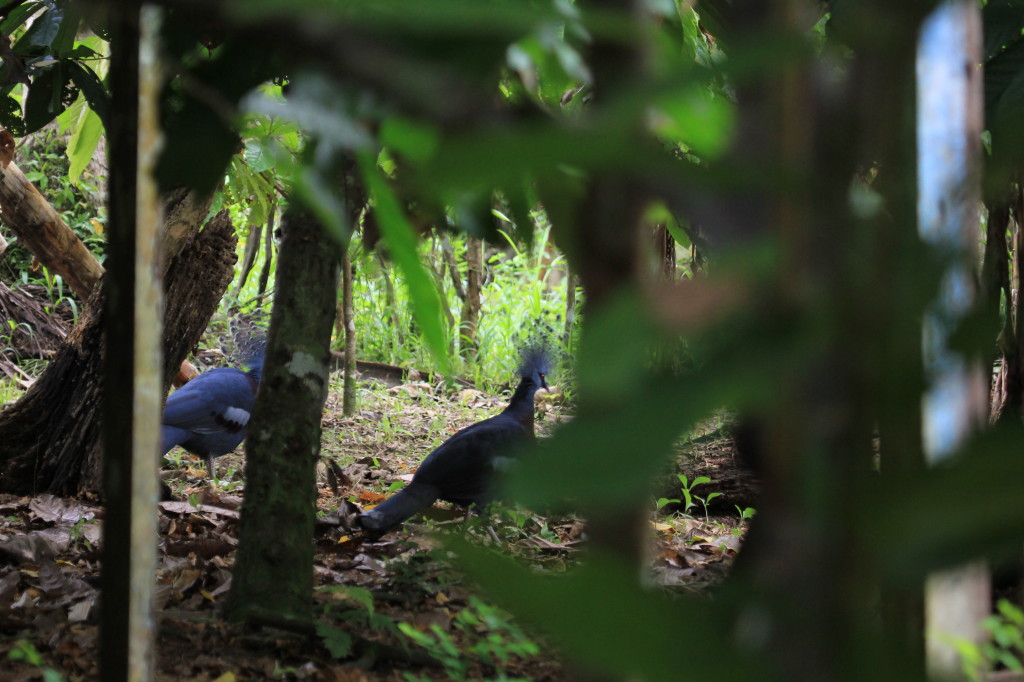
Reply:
x=274, y=569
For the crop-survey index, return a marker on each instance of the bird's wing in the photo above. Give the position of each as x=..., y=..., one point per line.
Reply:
x=462, y=468
x=219, y=400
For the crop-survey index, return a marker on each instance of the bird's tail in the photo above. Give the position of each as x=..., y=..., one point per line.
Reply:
x=397, y=508
x=171, y=436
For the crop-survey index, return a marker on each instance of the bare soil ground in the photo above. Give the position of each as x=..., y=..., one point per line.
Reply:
x=366, y=592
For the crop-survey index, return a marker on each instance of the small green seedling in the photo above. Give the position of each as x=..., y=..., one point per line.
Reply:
x=688, y=494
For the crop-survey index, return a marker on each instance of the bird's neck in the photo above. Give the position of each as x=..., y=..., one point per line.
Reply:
x=521, y=404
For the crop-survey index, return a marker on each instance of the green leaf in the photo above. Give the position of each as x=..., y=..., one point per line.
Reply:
x=696, y=118
x=18, y=16
x=401, y=241
x=336, y=641
x=41, y=33
x=51, y=93
x=10, y=116
x=83, y=143
x=64, y=41
x=409, y=138
x=257, y=156
x=677, y=232
x=94, y=91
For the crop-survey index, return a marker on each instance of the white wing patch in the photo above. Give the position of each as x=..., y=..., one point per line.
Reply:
x=236, y=415
x=503, y=463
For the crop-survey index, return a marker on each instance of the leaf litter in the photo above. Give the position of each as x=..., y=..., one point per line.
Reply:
x=375, y=597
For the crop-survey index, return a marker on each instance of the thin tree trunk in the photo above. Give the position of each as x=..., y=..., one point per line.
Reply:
x=471, y=301
x=132, y=359
x=446, y=310
x=391, y=301
x=268, y=255
x=273, y=570
x=252, y=247
x=453, y=265
x=665, y=244
x=997, y=273
x=571, y=282
x=348, y=317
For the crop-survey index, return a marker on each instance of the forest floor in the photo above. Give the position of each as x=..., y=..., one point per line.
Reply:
x=401, y=592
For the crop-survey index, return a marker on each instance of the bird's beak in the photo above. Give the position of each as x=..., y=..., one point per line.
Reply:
x=544, y=382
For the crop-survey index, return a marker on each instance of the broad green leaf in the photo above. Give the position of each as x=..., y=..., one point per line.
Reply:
x=409, y=138
x=50, y=93
x=677, y=232
x=64, y=41
x=401, y=241
x=18, y=16
x=697, y=119
x=95, y=94
x=40, y=35
x=257, y=157
x=83, y=143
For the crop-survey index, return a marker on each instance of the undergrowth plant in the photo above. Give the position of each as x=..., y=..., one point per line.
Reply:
x=1005, y=649
x=493, y=639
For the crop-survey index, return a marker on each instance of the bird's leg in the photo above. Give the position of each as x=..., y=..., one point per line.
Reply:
x=210, y=473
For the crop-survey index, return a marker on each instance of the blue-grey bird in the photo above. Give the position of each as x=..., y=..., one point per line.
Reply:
x=463, y=469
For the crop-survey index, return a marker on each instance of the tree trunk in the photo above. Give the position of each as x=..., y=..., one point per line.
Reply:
x=665, y=247
x=453, y=266
x=391, y=301
x=49, y=439
x=446, y=310
x=606, y=241
x=273, y=570
x=268, y=256
x=252, y=247
x=471, y=301
x=571, y=282
x=1001, y=278
x=348, y=317
x=131, y=367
